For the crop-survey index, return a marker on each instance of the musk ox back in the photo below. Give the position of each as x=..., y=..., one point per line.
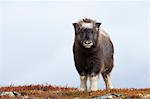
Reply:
x=93, y=54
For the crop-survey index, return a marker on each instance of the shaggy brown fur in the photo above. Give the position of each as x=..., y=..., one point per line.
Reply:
x=98, y=58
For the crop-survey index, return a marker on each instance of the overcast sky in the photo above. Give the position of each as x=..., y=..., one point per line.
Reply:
x=36, y=39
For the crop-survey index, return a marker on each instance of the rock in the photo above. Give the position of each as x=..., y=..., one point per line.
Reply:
x=16, y=93
x=111, y=96
x=10, y=94
x=144, y=96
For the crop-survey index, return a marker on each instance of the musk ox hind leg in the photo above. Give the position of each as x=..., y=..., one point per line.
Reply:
x=83, y=83
x=93, y=82
x=107, y=80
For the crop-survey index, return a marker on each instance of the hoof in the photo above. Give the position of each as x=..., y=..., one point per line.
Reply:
x=82, y=89
x=93, y=90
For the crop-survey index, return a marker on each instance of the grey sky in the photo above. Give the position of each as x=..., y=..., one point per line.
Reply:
x=36, y=41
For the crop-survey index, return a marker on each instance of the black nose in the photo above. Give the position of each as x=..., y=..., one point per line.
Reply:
x=87, y=42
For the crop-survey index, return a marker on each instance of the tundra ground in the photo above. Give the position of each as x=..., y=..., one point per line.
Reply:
x=55, y=92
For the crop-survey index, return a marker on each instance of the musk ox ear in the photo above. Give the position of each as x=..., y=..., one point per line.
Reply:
x=76, y=27
x=98, y=24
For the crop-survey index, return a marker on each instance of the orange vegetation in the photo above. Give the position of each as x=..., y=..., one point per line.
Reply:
x=55, y=92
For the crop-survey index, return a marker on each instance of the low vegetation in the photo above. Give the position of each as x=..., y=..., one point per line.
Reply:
x=55, y=92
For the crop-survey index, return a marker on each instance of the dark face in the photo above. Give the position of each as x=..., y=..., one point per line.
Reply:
x=87, y=37
x=87, y=34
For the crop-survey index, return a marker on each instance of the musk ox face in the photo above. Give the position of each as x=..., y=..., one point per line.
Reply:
x=87, y=37
x=87, y=33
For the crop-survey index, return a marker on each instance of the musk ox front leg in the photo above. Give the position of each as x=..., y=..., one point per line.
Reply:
x=93, y=82
x=83, y=78
x=94, y=76
x=83, y=83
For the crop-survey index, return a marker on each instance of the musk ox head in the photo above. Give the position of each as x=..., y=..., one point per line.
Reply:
x=87, y=32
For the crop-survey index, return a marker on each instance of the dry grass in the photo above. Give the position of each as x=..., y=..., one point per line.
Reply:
x=55, y=92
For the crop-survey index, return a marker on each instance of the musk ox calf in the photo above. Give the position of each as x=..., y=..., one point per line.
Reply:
x=93, y=54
